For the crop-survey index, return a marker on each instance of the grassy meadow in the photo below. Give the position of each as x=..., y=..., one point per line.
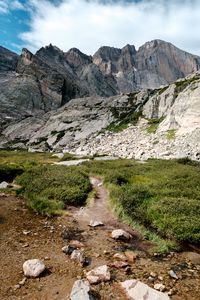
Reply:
x=159, y=198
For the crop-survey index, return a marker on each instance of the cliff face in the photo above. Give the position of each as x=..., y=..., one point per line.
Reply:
x=56, y=99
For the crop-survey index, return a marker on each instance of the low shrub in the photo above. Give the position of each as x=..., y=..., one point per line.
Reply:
x=54, y=185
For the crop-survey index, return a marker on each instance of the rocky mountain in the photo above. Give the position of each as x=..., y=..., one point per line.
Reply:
x=55, y=100
x=159, y=123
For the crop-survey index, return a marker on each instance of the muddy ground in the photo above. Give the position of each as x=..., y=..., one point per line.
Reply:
x=26, y=235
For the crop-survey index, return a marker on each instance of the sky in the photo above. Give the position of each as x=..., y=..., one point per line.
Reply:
x=90, y=24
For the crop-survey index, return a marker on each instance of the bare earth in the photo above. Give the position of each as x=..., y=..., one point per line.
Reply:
x=25, y=235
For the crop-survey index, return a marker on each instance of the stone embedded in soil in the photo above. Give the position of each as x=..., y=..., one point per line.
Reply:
x=79, y=257
x=172, y=274
x=81, y=291
x=94, y=223
x=33, y=267
x=131, y=256
x=159, y=287
x=193, y=257
x=120, y=234
x=119, y=264
x=4, y=185
x=120, y=256
x=135, y=289
x=68, y=249
x=76, y=244
x=99, y=274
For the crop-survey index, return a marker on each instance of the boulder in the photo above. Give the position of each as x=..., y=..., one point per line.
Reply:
x=137, y=290
x=33, y=267
x=99, y=274
x=81, y=291
x=120, y=234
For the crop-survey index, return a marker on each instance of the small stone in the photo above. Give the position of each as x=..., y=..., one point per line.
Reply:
x=172, y=274
x=26, y=232
x=79, y=256
x=131, y=256
x=99, y=274
x=22, y=282
x=160, y=278
x=68, y=249
x=25, y=245
x=120, y=234
x=81, y=291
x=94, y=223
x=33, y=267
x=119, y=264
x=120, y=256
x=151, y=279
x=16, y=287
x=4, y=185
x=159, y=287
x=153, y=274
x=76, y=244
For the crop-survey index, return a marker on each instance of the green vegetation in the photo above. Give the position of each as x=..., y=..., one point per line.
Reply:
x=24, y=159
x=153, y=124
x=124, y=119
x=183, y=84
x=162, y=90
x=49, y=188
x=162, y=196
x=171, y=134
x=159, y=198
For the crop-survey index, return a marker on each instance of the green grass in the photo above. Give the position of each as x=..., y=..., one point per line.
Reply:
x=171, y=134
x=162, y=196
x=153, y=124
x=49, y=188
x=25, y=159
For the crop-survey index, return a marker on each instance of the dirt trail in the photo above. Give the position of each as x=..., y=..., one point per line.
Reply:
x=46, y=237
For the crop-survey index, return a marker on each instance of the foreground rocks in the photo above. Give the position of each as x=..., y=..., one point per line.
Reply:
x=120, y=234
x=99, y=274
x=136, y=290
x=81, y=291
x=33, y=267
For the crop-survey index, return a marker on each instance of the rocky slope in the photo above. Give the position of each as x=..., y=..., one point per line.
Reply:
x=161, y=123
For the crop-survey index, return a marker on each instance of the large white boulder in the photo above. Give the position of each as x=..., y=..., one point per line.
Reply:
x=81, y=291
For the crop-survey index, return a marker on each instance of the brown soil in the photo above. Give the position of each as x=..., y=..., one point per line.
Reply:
x=47, y=236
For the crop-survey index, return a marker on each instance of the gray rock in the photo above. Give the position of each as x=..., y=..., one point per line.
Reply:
x=79, y=257
x=4, y=185
x=95, y=223
x=172, y=274
x=33, y=267
x=136, y=289
x=99, y=274
x=81, y=291
x=120, y=234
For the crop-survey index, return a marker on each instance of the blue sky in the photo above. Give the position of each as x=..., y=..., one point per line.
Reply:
x=89, y=24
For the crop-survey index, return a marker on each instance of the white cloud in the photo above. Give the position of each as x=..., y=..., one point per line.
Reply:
x=17, y=5
x=3, y=7
x=7, y=5
x=88, y=24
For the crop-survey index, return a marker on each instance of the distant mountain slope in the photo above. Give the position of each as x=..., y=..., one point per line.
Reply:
x=34, y=85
